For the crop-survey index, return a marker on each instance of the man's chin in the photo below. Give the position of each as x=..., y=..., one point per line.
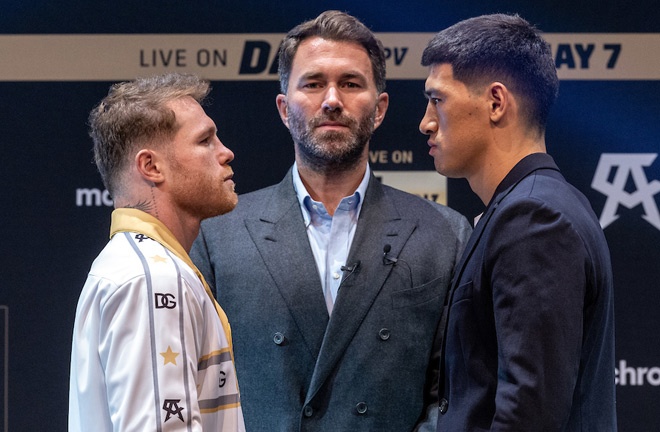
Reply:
x=334, y=137
x=224, y=208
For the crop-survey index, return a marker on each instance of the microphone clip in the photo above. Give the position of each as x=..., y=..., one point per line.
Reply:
x=388, y=260
x=393, y=261
x=350, y=267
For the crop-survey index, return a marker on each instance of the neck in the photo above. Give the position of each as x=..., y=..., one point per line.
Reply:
x=331, y=188
x=183, y=226
x=498, y=163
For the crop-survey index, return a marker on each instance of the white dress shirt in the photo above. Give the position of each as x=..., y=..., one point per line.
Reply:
x=330, y=237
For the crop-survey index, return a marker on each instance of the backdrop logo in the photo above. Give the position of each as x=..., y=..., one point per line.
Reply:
x=612, y=179
x=92, y=197
x=261, y=56
x=636, y=376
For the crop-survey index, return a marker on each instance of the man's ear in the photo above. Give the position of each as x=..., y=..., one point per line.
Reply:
x=149, y=164
x=499, y=100
x=282, y=108
x=381, y=108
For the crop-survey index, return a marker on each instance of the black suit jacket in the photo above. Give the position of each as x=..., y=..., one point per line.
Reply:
x=368, y=367
x=530, y=335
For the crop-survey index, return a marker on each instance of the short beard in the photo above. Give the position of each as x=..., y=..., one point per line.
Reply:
x=333, y=151
x=199, y=195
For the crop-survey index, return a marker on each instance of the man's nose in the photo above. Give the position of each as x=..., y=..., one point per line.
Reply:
x=332, y=101
x=428, y=125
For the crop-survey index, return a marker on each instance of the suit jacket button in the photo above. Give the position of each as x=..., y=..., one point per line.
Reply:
x=384, y=334
x=308, y=411
x=444, y=404
x=278, y=338
x=361, y=408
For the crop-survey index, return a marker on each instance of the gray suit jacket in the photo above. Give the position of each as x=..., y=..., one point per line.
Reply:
x=373, y=365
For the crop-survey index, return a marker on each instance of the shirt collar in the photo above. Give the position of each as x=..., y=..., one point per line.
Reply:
x=304, y=197
x=134, y=220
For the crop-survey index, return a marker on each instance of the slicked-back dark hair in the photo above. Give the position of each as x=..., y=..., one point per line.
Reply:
x=336, y=26
x=503, y=48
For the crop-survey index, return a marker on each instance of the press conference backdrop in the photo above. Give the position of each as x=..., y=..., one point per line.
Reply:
x=57, y=60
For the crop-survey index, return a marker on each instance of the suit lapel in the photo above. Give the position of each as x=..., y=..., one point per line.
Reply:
x=525, y=167
x=379, y=224
x=279, y=235
x=469, y=249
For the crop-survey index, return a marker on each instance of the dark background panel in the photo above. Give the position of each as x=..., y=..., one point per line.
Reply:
x=197, y=16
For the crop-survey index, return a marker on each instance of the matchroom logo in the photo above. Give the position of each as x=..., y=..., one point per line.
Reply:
x=636, y=376
x=615, y=175
x=92, y=198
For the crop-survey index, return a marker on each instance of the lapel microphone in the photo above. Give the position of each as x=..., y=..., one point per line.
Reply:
x=393, y=261
x=387, y=260
x=350, y=267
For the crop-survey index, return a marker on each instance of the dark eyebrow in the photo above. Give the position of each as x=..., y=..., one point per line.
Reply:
x=311, y=76
x=428, y=94
x=358, y=76
x=434, y=92
x=351, y=74
x=344, y=76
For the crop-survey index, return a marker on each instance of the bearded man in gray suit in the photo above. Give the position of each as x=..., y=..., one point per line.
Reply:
x=333, y=283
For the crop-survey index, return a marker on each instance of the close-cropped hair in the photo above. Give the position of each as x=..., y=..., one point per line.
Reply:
x=135, y=113
x=336, y=26
x=503, y=48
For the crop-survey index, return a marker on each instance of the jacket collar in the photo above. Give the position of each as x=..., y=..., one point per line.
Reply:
x=522, y=169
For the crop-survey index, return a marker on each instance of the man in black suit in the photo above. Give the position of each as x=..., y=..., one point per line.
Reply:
x=529, y=344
